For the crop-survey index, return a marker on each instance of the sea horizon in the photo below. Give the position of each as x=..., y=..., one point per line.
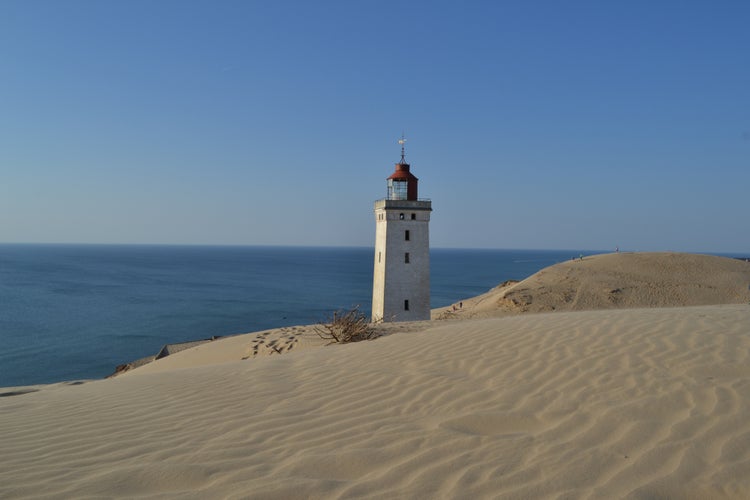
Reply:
x=738, y=253
x=272, y=245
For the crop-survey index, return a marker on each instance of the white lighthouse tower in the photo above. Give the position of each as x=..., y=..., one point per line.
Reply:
x=401, y=280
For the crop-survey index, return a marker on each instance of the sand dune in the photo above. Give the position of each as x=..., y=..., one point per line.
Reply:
x=618, y=403
x=614, y=281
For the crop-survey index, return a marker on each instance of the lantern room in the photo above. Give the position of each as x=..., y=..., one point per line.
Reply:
x=402, y=184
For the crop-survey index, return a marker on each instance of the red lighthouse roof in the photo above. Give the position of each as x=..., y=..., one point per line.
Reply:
x=402, y=173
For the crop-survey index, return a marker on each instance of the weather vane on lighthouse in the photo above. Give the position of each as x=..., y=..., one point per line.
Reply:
x=402, y=141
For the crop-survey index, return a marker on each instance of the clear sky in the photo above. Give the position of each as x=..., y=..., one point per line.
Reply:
x=530, y=124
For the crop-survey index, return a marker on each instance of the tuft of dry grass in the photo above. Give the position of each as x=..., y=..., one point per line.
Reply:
x=342, y=327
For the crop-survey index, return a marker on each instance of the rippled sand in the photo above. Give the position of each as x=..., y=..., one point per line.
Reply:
x=637, y=403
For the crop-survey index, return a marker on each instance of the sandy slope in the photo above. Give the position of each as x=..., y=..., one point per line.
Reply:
x=606, y=281
x=638, y=403
x=624, y=280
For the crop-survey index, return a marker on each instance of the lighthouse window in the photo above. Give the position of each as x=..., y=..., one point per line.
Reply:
x=406, y=305
x=397, y=189
x=406, y=258
x=406, y=235
x=401, y=216
x=413, y=216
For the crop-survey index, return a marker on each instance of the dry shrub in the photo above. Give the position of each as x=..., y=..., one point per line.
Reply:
x=343, y=327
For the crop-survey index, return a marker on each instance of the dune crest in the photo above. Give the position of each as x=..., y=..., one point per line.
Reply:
x=619, y=280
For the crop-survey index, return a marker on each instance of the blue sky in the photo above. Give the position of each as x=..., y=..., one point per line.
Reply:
x=580, y=125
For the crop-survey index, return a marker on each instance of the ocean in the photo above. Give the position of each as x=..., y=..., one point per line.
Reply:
x=74, y=312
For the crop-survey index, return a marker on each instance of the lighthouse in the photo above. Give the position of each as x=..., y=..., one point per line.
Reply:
x=401, y=278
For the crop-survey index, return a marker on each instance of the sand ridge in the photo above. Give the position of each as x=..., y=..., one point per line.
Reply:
x=616, y=280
